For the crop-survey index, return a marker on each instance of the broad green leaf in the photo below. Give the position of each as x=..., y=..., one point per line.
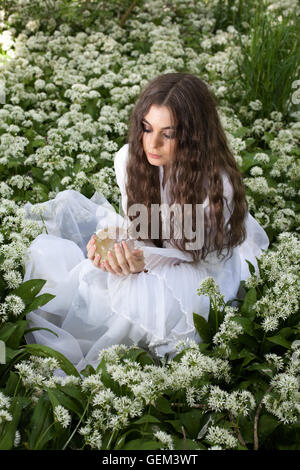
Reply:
x=146, y=419
x=202, y=328
x=7, y=331
x=15, y=339
x=264, y=368
x=176, y=423
x=142, y=444
x=73, y=392
x=29, y=289
x=191, y=421
x=87, y=371
x=251, y=267
x=121, y=440
x=163, y=405
x=45, y=351
x=188, y=444
x=11, y=383
x=57, y=397
x=246, y=323
x=37, y=302
x=11, y=353
x=277, y=339
x=266, y=425
x=249, y=301
x=40, y=423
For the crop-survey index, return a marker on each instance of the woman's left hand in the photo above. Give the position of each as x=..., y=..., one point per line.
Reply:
x=127, y=262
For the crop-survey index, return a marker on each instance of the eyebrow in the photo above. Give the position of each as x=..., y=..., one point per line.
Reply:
x=168, y=127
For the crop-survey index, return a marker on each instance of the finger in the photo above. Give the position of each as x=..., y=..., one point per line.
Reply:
x=129, y=256
x=113, y=263
x=96, y=261
x=91, y=242
x=91, y=253
x=109, y=268
x=120, y=255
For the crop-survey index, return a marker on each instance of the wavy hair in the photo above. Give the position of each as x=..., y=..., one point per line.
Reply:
x=201, y=152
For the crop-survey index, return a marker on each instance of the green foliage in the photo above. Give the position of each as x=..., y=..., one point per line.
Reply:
x=267, y=65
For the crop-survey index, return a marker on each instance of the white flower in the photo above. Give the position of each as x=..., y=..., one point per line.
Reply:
x=165, y=439
x=62, y=416
x=15, y=304
x=256, y=171
x=220, y=436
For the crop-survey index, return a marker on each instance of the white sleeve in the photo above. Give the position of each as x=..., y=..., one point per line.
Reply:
x=120, y=163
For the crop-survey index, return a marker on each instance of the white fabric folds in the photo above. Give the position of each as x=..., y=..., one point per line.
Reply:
x=93, y=309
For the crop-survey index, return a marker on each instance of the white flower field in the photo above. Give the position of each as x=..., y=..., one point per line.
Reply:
x=70, y=74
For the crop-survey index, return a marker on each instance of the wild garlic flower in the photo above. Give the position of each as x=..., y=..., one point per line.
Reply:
x=220, y=436
x=165, y=438
x=62, y=416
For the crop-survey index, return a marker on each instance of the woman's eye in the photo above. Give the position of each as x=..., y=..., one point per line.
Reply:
x=165, y=135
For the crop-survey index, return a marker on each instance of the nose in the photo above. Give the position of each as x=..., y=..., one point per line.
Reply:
x=155, y=141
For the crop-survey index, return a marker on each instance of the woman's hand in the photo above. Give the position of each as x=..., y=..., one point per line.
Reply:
x=123, y=263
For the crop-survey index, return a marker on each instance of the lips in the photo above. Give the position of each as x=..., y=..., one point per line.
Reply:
x=152, y=155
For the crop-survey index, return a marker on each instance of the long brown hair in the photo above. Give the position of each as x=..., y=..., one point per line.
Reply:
x=201, y=152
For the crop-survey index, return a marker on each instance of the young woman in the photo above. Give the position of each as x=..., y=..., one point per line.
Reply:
x=176, y=153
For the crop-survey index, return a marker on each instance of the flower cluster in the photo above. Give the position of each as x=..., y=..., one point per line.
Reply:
x=4, y=407
x=280, y=267
x=283, y=399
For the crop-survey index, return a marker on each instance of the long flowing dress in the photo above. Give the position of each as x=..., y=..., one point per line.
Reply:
x=93, y=309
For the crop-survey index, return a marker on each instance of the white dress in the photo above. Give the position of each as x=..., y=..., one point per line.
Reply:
x=94, y=309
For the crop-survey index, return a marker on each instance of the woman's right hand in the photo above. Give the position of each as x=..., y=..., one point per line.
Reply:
x=92, y=255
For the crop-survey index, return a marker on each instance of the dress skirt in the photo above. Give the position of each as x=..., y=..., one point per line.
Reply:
x=93, y=309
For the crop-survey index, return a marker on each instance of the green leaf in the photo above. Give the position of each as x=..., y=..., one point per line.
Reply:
x=202, y=327
x=251, y=267
x=15, y=339
x=40, y=422
x=147, y=419
x=74, y=392
x=45, y=351
x=121, y=440
x=87, y=371
x=29, y=289
x=246, y=323
x=266, y=425
x=249, y=301
x=11, y=384
x=38, y=302
x=11, y=353
x=278, y=339
x=188, y=444
x=36, y=328
x=163, y=405
x=7, y=331
x=191, y=421
x=142, y=444
x=263, y=368
x=176, y=423
x=10, y=427
x=57, y=397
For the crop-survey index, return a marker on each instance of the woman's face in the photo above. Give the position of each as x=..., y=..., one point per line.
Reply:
x=158, y=136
